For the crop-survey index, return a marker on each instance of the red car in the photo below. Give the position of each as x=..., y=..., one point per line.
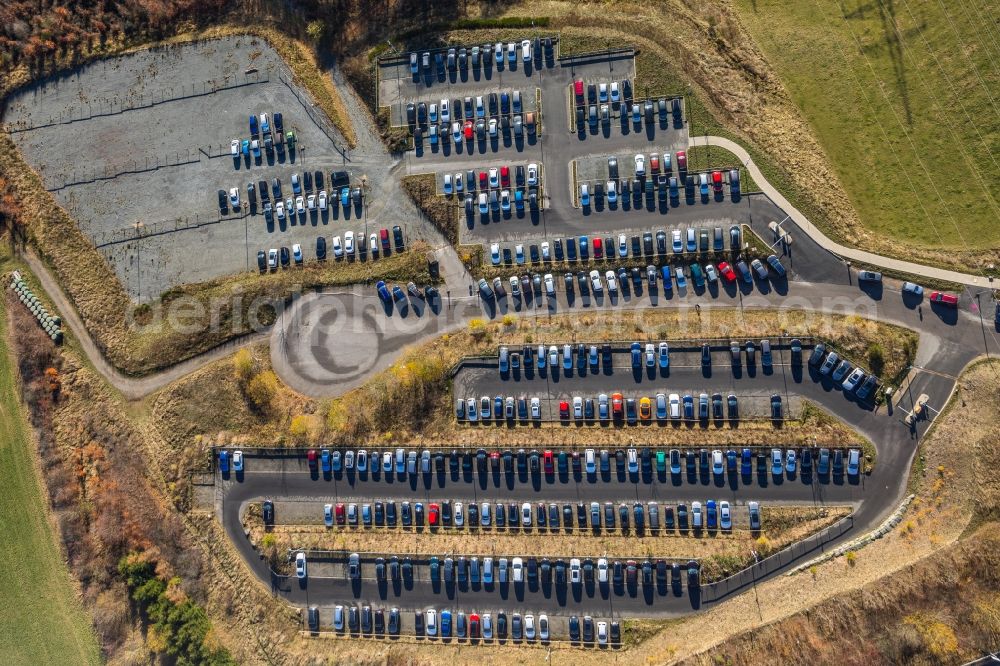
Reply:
x=578, y=90
x=616, y=405
x=727, y=271
x=432, y=515
x=484, y=182
x=950, y=300
x=495, y=460
x=311, y=457
x=505, y=176
x=598, y=248
x=717, y=180
x=339, y=513
x=467, y=130
x=682, y=160
x=547, y=462
x=473, y=625
x=564, y=409
x=384, y=235
x=654, y=164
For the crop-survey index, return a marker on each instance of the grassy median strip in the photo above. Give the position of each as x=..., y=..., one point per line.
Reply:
x=723, y=553
x=44, y=622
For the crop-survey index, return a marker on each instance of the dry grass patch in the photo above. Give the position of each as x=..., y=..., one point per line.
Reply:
x=722, y=554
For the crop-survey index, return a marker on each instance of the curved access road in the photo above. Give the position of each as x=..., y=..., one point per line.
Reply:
x=813, y=231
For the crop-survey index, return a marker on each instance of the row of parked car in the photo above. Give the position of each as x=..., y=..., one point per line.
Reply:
x=533, y=284
x=263, y=136
x=843, y=372
x=607, y=408
x=648, y=245
x=378, y=243
x=460, y=58
x=659, y=185
x=480, y=107
x=477, y=130
x=308, y=193
x=642, y=517
x=494, y=178
x=560, y=462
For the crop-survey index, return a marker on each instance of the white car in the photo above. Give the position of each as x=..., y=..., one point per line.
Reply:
x=526, y=514
x=432, y=112
x=338, y=248
x=234, y=147
x=484, y=205
x=338, y=617
x=595, y=281
x=297, y=253
x=553, y=356
x=590, y=460
x=445, y=111
x=577, y=407
x=456, y=132
x=529, y=627
x=550, y=287
x=373, y=244
x=459, y=183
x=574, y=571
x=640, y=165
x=498, y=52
x=612, y=281
x=349, y=242
x=519, y=253
x=447, y=184
x=517, y=569
x=300, y=205
x=532, y=174
x=602, y=633
x=495, y=254
x=536, y=408
x=853, y=379
x=300, y=565
x=526, y=50
x=545, y=251
x=615, y=93
x=633, y=460
x=612, y=191
x=430, y=622
x=459, y=515
x=622, y=245
x=234, y=197
x=512, y=52
x=311, y=202
x=279, y=210
x=322, y=199
x=328, y=515
x=493, y=127
x=543, y=626
x=675, y=239
x=602, y=570
x=725, y=516
x=675, y=405
x=238, y=461
x=272, y=258
x=494, y=177
x=696, y=515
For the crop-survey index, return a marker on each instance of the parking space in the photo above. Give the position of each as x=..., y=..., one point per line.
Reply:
x=605, y=106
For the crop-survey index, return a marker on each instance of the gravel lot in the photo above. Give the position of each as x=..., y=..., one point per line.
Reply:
x=88, y=135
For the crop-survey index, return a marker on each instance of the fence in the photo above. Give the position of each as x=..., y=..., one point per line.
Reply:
x=319, y=119
x=145, y=230
x=82, y=175
x=115, y=106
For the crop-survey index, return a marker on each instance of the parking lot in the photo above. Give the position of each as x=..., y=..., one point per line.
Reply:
x=154, y=129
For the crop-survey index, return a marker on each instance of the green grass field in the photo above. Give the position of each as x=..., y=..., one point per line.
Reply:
x=43, y=622
x=904, y=97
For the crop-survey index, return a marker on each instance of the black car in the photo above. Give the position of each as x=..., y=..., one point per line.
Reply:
x=397, y=238
x=223, y=202
x=307, y=181
x=261, y=261
x=411, y=114
x=285, y=257
x=267, y=511
x=321, y=248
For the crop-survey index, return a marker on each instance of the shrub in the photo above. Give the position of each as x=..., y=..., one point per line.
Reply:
x=876, y=358
x=477, y=327
x=244, y=367
x=261, y=391
x=852, y=557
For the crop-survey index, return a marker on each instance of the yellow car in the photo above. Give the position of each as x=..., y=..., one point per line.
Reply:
x=645, y=411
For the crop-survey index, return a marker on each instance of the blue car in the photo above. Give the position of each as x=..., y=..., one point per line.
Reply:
x=445, y=624
x=584, y=247
x=519, y=199
x=636, y=355
x=668, y=283
x=253, y=125
x=345, y=197
x=383, y=291
x=674, y=193
x=712, y=514
x=746, y=460
x=245, y=147
x=703, y=184
x=324, y=457
x=224, y=462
